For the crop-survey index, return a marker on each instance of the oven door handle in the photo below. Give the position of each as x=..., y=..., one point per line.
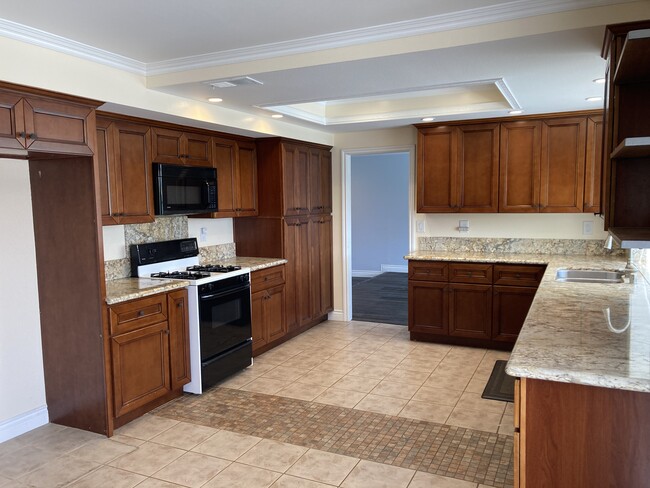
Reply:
x=223, y=293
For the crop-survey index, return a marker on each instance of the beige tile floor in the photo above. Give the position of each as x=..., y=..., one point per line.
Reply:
x=358, y=365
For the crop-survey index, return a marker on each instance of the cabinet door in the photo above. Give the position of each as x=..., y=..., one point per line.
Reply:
x=315, y=197
x=295, y=164
x=298, y=289
x=274, y=304
x=519, y=169
x=258, y=323
x=179, y=338
x=132, y=143
x=197, y=149
x=593, y=164
x=167, y=146
x=108, y=195
x=510, y=306
x=140, y=362
x=428, y=307
x=437, y=188
x=246, y=189
x=563, y=165
x=326, y=181
x=470, y=311
x=12, y=122
x=478, y=167
x=58, y=127
x=225, y=159
x=321, y=264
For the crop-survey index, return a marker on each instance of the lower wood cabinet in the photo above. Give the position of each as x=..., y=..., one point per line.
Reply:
x=476, y=304
x=149, y=347
x=268, y=307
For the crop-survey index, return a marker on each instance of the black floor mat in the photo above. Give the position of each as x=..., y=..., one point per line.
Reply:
x=500, y=386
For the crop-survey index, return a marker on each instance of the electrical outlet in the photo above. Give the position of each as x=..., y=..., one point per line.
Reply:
x=419, y=226
x=463, y=226
x=587, y=227
x=203, y=236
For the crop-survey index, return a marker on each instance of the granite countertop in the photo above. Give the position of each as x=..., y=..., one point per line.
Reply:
x=126, y=289
x=567, y=336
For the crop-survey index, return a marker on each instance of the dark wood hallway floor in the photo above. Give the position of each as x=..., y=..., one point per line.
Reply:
x=383, y=298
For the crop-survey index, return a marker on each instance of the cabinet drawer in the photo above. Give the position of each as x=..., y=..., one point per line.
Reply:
x=135, y=314
x=470, y=273
x=518, y=275
x=267, y=278
x=428, y=270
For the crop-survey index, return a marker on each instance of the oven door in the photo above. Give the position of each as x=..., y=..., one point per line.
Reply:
x=224, y=321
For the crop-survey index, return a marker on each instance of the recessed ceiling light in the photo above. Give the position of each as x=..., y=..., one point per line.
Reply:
x=594, y=99
x=600, y=81
x=427, y=119
x=516, y=112
x=277, y=116
x=215, y=99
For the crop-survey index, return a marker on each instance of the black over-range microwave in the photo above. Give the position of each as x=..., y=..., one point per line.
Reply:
x=184, y=190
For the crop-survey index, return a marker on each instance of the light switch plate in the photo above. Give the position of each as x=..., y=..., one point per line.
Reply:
x=587, y=227
x=463, y=226
x=419, y=226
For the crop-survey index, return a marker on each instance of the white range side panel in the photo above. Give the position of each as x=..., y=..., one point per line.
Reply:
x=194, y=386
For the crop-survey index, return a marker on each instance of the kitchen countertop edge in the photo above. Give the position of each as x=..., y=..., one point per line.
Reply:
x=125, y=289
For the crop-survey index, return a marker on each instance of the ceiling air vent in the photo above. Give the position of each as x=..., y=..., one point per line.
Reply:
x=241, y=81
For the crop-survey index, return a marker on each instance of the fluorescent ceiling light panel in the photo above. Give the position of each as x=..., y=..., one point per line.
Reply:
x=232, y=82
x=452, y=99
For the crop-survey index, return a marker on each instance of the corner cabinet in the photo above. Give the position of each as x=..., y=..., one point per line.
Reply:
x=473, y=304
x=149, y=353
x=33, y=122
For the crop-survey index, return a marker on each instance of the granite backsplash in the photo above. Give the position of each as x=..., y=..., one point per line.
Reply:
x=163, y=229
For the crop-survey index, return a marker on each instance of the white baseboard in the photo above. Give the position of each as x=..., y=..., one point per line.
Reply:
x=22, y=423
x=364, y=273
x=394, y=268
x=336, y=315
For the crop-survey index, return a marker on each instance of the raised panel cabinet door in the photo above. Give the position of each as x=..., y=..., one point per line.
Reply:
x=140, y=363
x=326, y=180
x=246, y=189
x=12, y=123
x=258, y=323
x=197, y=149
x=132, y=144
x=470, y=311
x=107, y=174
x=179, y=338
x=326, y=265
x=437, y=170
x=315, y=197
x=428, y=307
x=593, y=164
x=304, y=284
x=293, y=252
x=510, y=305
x=274, y=313
x=167, y=146
x=58, y=127
x=225, y=159
x=519, y=166
x=478, y=167
x=295, y=168
x=562, y=179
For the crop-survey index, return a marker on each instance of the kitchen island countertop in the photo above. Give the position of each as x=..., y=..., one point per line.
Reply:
x=584, y=333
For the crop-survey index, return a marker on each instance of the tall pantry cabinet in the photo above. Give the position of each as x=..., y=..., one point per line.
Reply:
x=295, y=223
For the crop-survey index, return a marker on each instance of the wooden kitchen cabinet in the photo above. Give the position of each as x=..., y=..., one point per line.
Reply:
x=299, y=289
x=236, y=165
x=569, y=435
x=268, y=307
x=124, y=154
x=33, y=123
x=183, y=148
x=593, y=164
x=321, y=262
x=296, y=161
x=320, y=181
x=472, y=304
x=149, y=352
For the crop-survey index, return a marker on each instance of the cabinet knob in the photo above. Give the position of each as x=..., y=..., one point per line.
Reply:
x=166, y=331
x=140, y=313
x=31, y=136
x=517, y=275
x=178, y=305
x=470, y=274
x=22, y=135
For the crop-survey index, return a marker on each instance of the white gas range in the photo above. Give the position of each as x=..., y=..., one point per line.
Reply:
x=219, y=307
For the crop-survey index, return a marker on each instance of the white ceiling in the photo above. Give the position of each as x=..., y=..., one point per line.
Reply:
x=324, y=51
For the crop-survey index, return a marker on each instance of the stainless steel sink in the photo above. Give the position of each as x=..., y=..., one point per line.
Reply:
x=589, y=276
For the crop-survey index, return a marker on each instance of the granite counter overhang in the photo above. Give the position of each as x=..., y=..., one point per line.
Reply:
x=566, y=336
x=125, y=289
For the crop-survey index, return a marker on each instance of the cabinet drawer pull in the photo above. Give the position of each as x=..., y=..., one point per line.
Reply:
x=140, y=313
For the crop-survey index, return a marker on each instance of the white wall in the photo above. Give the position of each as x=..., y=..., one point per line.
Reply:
x=380, y=211
x=22, y=386
x=219, y=231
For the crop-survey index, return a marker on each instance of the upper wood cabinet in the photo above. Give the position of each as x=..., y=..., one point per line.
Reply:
x=124, y=154
x=593, y=164
x=236, y=164
x=320, y=181
x=31, y=124
x=458, y=168
x=295, y=171
x=184, y=148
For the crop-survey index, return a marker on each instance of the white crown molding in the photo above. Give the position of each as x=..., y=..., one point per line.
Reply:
x=513, y=10
x=40, y=38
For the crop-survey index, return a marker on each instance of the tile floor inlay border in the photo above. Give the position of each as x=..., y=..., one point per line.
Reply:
x=447, y=450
